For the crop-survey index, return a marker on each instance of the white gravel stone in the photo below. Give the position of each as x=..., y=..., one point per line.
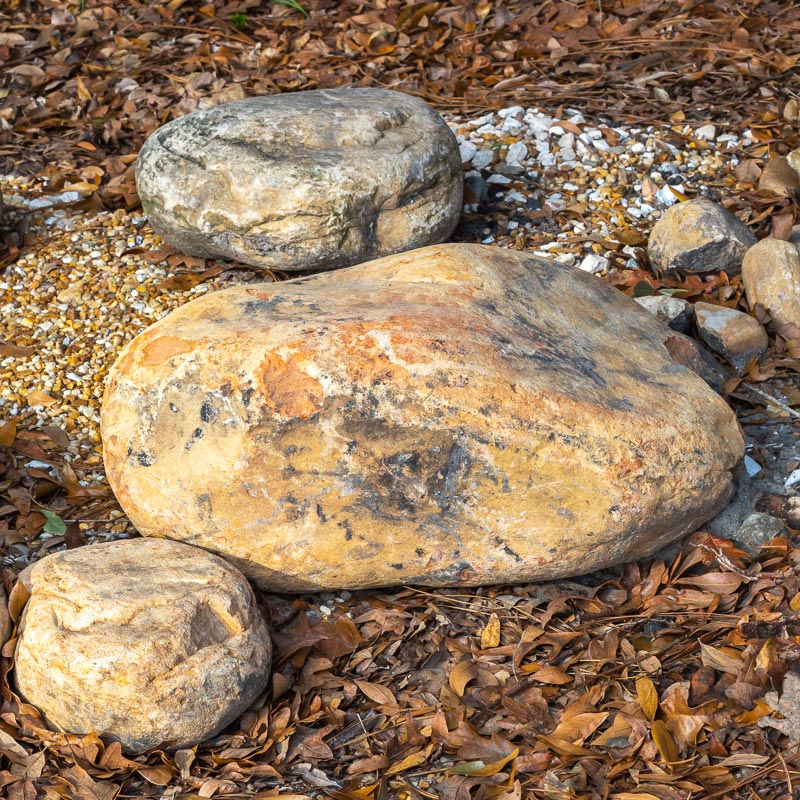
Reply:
x=468, y=151
x=517, y=152
x=707, y=133
x=483, y=159
x=594, y=264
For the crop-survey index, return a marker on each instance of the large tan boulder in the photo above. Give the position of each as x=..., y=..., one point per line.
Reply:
x=310, y=180
x=454, y=415
x=145, y=641
x=771, y=276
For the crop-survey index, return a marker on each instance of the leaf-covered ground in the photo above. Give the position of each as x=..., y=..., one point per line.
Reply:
x=672, y=678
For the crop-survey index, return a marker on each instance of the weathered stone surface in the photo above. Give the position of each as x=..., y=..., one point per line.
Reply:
x=144, y=641
x=698, y=358
x=736, y=336
x=699, y=236
x=673, y=311
x=771, y=276
x=453, y=415
x=310, y=180
x=756, y=530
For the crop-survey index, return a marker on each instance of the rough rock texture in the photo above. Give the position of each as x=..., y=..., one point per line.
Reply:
x=699, y=236
x=736, y=336
x=311, y=180
x=698, y=358
x=771, y=276
x=756, y=530
x=454, y=415
x=144, y=641
x=673, y=311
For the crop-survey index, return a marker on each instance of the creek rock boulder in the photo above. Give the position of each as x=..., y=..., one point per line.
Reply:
x=699, y=236
x=310, y=180
x=455, y=415
x=146, y=642
x=771, y=276
x=736, y=336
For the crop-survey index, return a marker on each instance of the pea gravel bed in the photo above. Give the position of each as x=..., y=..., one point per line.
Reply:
x=559, y=187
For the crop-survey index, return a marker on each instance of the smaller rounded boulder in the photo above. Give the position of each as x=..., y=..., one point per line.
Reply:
x=699, y=236
x=309, y=180
x=146, y=642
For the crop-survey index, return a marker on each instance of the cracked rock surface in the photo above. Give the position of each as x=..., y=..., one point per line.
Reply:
x=144, y=641
x=312, y=180
x=455, y=415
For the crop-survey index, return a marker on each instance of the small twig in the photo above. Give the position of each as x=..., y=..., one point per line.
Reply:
x=783, y=407
x=788, y=776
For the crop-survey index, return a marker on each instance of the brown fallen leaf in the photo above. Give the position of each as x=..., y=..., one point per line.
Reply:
x=490, y=635
x=461, y=674
x=370, y=764
x=647, y=696
x=720, y=659
x=377, y=693
x=39, y=398
x=664, y=741
x=8, y=433
x=410, y=761
x=682, y=721
x=7, y=349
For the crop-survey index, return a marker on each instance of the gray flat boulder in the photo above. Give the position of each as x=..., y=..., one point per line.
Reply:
x=146, y=642
x=456, y=415
x=311, y=180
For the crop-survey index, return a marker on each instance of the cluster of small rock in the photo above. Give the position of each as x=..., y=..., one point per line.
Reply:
x=700, y=236
x=523, y=162
x=444, y=415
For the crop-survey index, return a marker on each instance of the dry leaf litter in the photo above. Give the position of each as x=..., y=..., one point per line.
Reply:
x=673, y=678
